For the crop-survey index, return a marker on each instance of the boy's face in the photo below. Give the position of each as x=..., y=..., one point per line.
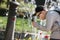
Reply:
x=41, y=15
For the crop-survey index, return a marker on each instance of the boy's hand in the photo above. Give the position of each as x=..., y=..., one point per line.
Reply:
x=34, y=24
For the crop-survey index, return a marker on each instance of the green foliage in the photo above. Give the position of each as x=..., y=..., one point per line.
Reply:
x=21, y=25
x=3, y=22
x=26, y=7
x=3, y=4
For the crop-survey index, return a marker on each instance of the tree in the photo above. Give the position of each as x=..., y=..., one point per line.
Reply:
x=9, y=34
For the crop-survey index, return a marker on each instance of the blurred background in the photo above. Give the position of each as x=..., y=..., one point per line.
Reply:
x=23, y=26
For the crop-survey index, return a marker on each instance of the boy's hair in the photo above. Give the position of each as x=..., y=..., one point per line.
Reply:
x=38, y=9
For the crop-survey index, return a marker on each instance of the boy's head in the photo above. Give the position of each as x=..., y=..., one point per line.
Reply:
x=38, y=9
x=40, y=12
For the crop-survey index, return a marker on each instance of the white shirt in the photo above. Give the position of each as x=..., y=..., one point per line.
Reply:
x=43, y=22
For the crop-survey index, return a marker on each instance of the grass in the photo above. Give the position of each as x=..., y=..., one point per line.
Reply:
x=21, y=24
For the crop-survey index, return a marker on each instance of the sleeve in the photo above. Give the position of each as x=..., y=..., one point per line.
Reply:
x=50, y=19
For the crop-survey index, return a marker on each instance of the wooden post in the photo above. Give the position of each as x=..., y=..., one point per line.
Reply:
x=10, y=28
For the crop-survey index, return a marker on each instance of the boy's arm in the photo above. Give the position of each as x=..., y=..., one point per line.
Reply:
x=50, y=19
